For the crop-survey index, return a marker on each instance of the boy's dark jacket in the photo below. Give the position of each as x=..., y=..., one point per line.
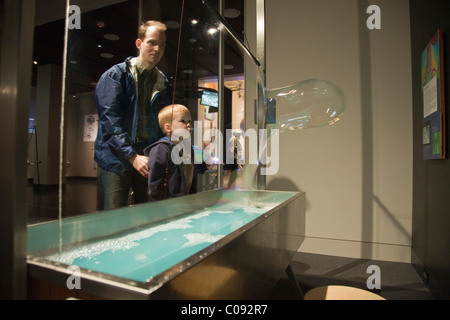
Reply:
x=157, y=164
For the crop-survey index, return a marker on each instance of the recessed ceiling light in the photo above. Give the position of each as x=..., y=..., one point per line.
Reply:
x=228, y=67
x=111, y=36
x=73, y=61
x=171, y=24
x=231, y=13
x=212, y=30
x=107, y=55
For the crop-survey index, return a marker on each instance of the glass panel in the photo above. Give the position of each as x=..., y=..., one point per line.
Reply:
x=194, y=75
x=45, y=112
x=193, y=70
x=98, y=38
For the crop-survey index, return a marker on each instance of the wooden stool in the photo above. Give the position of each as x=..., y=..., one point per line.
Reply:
x=340, y=293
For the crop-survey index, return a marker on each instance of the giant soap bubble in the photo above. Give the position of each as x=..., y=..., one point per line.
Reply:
x=308, y=104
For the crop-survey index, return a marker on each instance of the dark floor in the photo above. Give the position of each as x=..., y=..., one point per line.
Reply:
x=399, y=281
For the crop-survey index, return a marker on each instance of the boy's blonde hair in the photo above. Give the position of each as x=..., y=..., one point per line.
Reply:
x=166, y=114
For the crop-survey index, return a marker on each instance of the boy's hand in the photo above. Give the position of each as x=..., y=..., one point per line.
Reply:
x=140, y=163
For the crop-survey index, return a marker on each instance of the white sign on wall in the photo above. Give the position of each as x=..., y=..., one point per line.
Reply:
x=90, y=127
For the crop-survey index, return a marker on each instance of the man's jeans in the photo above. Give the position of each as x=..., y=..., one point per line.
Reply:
x=115, y=188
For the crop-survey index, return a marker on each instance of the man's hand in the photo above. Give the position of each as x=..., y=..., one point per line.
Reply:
x=140, y=163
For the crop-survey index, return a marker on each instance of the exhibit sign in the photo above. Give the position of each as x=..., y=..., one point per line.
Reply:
x=90, y=127
x=433, y=92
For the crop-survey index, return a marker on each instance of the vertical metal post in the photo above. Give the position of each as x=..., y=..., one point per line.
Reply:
x=221, y=112
x=15, y=91
x=140, y=9
x=261, y=110
x=261, y=37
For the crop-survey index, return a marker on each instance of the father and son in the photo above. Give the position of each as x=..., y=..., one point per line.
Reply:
x=137, y=117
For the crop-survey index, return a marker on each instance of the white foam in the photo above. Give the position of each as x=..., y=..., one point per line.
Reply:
x=199, y=238
x=129, y=241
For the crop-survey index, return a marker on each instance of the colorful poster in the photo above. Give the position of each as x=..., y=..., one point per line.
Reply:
x=433, y=90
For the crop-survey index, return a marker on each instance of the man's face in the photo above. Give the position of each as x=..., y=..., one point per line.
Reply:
x=151, y=49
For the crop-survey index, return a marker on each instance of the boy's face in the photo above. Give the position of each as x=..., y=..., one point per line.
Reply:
x=181, y=120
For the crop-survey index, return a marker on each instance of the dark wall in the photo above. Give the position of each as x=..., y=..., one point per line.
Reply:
x=431, y=178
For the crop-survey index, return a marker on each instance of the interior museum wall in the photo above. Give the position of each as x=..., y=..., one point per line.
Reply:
x=79, y=153
x=431, y=202
x=357, y=174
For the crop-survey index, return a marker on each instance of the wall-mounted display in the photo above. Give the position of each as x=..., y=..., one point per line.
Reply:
x=90, y=127
x=433, y=90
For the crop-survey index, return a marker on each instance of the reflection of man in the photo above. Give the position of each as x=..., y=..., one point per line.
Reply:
x=129, y=96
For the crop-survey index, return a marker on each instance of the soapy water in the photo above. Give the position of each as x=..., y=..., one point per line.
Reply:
x=144, y=253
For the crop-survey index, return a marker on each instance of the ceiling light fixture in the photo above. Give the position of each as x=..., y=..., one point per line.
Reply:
x=111, y=36
x=231, y=13
x=171, y=24
x=107, y=55
x=212, y=31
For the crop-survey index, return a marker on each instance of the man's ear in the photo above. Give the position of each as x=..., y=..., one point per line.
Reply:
x=138, y=43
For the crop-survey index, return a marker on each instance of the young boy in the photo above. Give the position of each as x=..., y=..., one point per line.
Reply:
x=165, y=178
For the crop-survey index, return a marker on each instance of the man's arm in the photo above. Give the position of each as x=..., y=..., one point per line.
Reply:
x=109, y=94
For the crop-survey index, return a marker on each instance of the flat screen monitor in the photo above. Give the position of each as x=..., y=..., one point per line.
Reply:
x=210, y=99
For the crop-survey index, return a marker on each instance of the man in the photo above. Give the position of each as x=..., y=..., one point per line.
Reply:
x=129, y=96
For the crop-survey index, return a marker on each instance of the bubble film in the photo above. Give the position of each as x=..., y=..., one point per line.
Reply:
x=308, y=104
